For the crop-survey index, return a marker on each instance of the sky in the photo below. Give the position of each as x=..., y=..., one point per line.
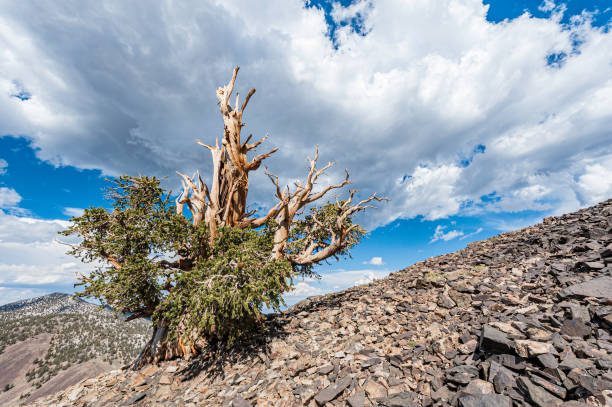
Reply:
x=474, y=118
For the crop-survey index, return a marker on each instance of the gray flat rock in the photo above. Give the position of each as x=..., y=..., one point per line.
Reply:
x=485, y=400
x=332, y=391
x=357, y=399
x=600, y=287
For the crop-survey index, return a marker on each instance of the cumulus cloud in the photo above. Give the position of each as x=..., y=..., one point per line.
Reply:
x=375, y=261
x=31, y=261
x=303, y=289
x=547, y=5
x=9, y=198
x=400, y=103
x=331, y=282
x=73, y=212
x=596, y=182
x=3, y=166
x=439, y=234
x=348, y=278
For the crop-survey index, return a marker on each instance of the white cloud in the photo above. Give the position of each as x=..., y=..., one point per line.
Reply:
x=348, y=278
x=474, y=233
x=342, y=14
x=303, y=289
x=3, y=166
x=505, y=225
x=8, y=295
x=331, y=282
x=73, y=212
x=439, y=234
x=411, y=97
x=375, y=261
x=9, y=198
x=31, y=261
x=596, y=182
x=547, y=5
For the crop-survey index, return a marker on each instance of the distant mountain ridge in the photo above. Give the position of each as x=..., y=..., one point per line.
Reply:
x=54, y=303
x=50, y=342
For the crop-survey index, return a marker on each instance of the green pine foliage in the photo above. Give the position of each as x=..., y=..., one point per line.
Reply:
x=141, y=224
x=223, y=294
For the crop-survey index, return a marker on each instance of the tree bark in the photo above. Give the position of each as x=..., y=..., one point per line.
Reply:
x=158, y=348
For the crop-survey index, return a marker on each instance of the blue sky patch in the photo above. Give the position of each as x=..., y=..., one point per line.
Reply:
x=356, y=23
x=21, y=93
x=47, y=190
x=479, y=149
x=500, y=10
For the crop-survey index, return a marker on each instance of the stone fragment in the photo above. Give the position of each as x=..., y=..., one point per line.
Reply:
x=240, y=402
x=608, y=319
x=478, y=386
x=374, y=389
x=551, y=387
x=165, y=379
x=332, y=391
x=367, y=363
x=401, y=399
x=604, y=362
x=326, y=369
x=511, y=361
x=575, y=328
x=357, y=399
x=594, y=265
x=538, y=395
x=527, y=348
x=493, y=340
x=171, y=369
x=527, y=310
x=445, y=301
x=506, y=328
x=600, y=287
x=138, y=380
x=576, y=363
x=538, y=334
x=593, y=385
x=558, y=342
x=442, y=394
x=462, y=374
x=485, y=400
x=548, y=360
x=580, y=312
x=504, y=380
x=135, y=399
x=149, y=370
x=73, y=395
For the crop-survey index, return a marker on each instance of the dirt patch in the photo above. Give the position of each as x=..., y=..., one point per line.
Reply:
x=15, y=361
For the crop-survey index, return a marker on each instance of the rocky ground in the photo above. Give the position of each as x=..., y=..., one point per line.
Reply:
x=523, y=318
x=51, y=342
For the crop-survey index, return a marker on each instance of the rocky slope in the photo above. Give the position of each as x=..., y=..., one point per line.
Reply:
x=523, y=318
x=52, y=342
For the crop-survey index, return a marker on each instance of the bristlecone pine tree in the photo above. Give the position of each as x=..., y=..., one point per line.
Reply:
x=203, y=278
